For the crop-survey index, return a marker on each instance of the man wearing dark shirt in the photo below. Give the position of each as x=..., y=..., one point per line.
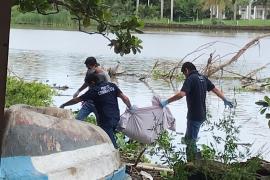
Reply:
x=194, y=88
x=104, y=95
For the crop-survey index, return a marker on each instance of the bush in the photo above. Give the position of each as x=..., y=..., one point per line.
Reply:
x=215, y=21
x=148, y=11
x=31, y=93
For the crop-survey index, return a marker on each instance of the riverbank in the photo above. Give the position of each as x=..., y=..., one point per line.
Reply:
x=206, y=27
x=160, y=26
x=203, y=170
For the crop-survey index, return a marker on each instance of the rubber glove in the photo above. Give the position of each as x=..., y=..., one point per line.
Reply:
x=132, y=109
x=76, y=94
x=228, y=103
x=163, y=103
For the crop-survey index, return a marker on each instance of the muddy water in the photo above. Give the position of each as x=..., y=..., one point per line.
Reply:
x=56, y=57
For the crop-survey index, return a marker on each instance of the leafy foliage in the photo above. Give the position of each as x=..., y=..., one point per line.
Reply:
x=129, y=149
x=170, y=155
x=88, y=11
x=265, y=105
x=188, y=9
x=31, y=93
x=121, y=8
x=148, y=12
x=216, y=163
x=91, y=119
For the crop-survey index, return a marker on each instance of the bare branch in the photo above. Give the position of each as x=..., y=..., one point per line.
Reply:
x=252, y=73
x=252, y=43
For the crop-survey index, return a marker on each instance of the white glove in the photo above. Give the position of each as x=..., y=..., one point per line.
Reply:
x=76, y=94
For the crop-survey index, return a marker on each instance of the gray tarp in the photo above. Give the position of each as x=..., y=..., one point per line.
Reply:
x=145, y=124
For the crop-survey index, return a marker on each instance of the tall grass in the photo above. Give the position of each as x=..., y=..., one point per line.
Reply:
x=61, y=19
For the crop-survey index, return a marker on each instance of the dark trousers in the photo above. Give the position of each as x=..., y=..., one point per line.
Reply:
x=110, y=130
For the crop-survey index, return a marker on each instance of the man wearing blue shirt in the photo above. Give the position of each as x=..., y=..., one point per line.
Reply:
x=104, y=95
x=194, y=88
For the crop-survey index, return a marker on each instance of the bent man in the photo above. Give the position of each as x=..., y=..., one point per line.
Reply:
x=104, y=96
x=88, y=106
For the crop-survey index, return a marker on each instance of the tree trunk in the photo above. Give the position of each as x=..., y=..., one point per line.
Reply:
x=217, y=12
x=137, y=6
x=161, y=8
x=172, y=10
x=5, y=10
x=234, y=11
x=265, y=9
x=211, y=12
x=249, y=9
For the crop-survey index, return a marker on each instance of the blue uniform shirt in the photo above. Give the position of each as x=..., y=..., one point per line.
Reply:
x=195, y=86
x=104, y=96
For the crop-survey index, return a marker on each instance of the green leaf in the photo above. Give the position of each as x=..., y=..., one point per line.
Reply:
x=133, y=50
x=263, y=110
x=267, y=115
x=262, y=103
x=267, y=99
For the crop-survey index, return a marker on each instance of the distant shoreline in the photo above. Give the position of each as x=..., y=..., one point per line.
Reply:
x=154, y=25
x=207, y=27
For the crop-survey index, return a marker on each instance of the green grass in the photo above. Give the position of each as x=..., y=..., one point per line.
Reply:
x=242, y=22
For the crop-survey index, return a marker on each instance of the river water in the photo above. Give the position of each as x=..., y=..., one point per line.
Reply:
x=56, y=58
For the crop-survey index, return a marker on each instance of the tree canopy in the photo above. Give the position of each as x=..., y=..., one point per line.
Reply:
x=94, y=13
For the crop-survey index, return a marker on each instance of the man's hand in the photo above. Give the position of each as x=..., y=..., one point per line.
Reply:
x=132, y=109
x=62, y=106
x=163, y=103
x=76, y=94
x=228, y=103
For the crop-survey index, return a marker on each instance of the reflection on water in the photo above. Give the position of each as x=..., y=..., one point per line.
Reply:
x=56, y=57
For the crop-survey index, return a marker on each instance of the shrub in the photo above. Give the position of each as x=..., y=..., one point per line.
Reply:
x=31, y=93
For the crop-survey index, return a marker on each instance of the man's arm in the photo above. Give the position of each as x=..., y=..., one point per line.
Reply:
x=125, y=99
x=85, y=85
x=221, y=96
x=218, y=93
x=71, y=102
x=176, y=97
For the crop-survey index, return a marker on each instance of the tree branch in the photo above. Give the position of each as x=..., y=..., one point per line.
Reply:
x=238, y=54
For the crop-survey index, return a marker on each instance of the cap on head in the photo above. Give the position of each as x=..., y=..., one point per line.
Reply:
x=91, y=61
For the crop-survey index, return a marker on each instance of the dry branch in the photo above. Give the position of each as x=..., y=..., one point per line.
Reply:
x=238, y=54
x=252, y=73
